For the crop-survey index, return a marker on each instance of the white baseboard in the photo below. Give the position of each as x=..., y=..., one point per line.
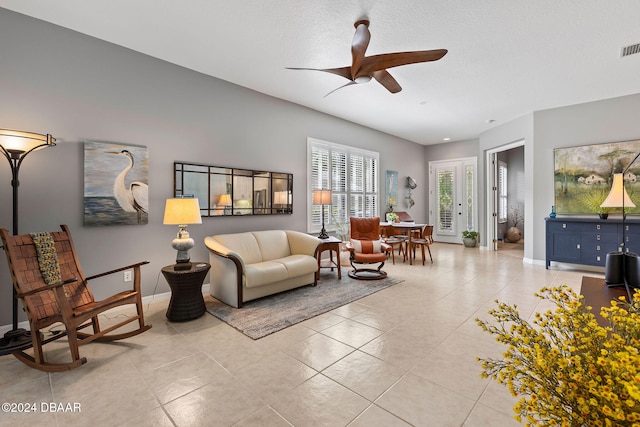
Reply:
x=145, y=301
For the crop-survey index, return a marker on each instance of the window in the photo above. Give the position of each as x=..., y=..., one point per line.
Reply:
x=352, y=176
x=502, y=192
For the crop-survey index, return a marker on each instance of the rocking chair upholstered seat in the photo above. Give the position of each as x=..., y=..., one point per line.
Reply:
x=366, y=247
x=68, y=301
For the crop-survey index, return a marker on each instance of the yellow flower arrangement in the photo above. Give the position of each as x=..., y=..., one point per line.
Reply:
x=567, y=369
x=392, y=201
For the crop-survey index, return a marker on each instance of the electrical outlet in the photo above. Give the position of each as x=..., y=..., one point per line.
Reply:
x=127, y=276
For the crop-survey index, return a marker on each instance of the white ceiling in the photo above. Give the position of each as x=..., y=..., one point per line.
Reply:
x=506, y=58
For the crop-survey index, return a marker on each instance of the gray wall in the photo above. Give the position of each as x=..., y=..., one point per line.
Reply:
x=78, y=88
x=608, y=120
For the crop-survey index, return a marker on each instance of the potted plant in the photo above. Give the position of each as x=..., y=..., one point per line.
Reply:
x=470, y=238
x=565, y=368
x=592, y=200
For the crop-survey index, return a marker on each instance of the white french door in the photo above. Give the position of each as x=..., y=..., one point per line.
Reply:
x=453, y=198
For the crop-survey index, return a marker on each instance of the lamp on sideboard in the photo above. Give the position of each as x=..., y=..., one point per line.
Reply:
x=322, y=197
x=621, y=267
x=182, y=212
x=15, y=146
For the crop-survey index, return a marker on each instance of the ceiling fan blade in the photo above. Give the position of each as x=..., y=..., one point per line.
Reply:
x=345, y=85
x=359, y=45
x=343, y=71
x=390, y=60
x=385, y=79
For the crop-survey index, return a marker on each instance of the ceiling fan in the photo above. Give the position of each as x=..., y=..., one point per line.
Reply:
x=364, y=68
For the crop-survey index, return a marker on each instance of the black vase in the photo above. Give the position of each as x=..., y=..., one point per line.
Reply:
x=603, y=216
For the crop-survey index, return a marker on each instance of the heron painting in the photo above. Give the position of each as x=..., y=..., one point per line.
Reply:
x=115, y=184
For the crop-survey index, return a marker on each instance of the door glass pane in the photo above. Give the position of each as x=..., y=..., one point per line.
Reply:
x=469, y=176
x=445, y=200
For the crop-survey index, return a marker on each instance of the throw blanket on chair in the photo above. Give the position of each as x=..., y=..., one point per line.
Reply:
x=47, y=257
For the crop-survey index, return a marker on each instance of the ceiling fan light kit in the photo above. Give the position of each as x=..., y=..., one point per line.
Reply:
x=364, y=68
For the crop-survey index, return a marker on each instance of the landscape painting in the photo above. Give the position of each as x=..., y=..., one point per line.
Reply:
x=583, y=176
x=116, y=190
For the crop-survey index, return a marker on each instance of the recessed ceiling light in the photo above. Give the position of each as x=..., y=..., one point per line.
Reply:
x=447, y=139
x=489, y=121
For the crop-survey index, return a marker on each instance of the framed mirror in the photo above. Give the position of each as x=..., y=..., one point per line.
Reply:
x=225, y=191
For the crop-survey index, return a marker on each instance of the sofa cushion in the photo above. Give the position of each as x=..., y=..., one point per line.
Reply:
x=244, y=244
x=264, y=273
x=273, y=244
x=299, y=265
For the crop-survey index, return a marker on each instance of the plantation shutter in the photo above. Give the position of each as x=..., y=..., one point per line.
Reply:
x=319, y=178
x=352, y=176
x=502, y=192
x=339, y=187
x=371, y=187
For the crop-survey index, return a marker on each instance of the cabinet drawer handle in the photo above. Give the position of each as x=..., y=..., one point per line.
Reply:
x=598, y=258
x=598, y=227
x=598, y=247
x=578, y=246
x=564, y=225
x=598, y=237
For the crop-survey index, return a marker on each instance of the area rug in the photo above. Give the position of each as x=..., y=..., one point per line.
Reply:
x=264, y=316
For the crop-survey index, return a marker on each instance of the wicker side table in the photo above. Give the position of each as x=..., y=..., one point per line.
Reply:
x=187, y=302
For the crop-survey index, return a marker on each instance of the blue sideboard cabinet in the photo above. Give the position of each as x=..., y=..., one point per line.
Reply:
x=587, y=241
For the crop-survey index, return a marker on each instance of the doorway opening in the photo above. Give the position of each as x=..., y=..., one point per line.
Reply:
x=506, y=198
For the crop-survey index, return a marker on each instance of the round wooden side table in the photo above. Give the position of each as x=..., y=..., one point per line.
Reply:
x=187, y=302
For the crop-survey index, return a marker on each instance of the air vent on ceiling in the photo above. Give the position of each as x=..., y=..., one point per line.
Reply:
x=630, y=50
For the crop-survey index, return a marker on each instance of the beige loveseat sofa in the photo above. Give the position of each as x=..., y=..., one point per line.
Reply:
x=246, y=266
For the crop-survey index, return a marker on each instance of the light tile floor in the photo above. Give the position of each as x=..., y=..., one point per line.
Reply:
x=403, y=356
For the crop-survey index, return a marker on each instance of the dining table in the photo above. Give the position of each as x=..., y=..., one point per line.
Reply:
x=406, y=228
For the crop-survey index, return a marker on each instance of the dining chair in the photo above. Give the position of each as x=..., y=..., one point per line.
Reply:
x=424, y=241
x=389, y=236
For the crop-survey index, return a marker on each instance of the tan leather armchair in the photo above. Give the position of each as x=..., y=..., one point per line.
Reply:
x=366, y=247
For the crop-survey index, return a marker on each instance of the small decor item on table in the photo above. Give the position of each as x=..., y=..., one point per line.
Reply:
x=553, y=212
x=470, y=238
x=392, y=217
x=566, y=369
x=182, y=212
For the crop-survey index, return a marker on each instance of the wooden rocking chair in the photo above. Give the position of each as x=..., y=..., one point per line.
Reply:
x=68, y=300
